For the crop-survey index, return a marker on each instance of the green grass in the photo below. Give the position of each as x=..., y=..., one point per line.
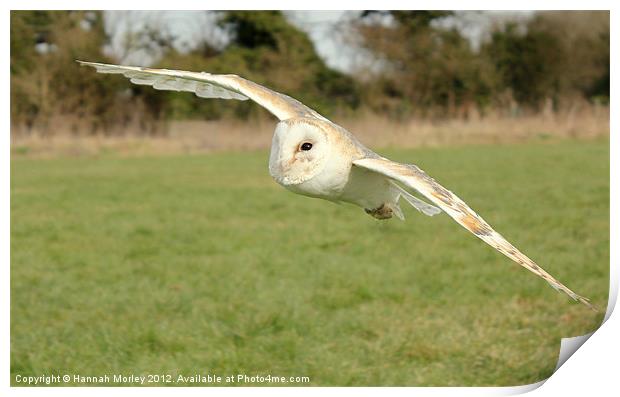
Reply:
x=187, y=264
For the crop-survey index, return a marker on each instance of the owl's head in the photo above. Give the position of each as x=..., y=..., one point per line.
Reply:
x=299, y=151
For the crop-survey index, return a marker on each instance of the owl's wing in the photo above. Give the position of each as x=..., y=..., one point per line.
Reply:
x=414, y=178
x=206, y=85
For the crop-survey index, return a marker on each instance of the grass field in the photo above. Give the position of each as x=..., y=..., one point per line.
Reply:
x=202, y=264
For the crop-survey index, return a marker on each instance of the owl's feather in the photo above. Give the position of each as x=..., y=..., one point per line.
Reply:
x=415, y=178
x=416, y=203
x=206, y=85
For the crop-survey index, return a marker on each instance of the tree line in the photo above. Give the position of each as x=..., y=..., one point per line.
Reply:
x=420, y=68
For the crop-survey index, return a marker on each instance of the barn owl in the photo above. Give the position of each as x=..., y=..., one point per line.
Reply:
x=314, y=157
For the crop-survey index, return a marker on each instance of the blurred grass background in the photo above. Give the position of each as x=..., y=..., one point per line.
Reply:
x=178, y=264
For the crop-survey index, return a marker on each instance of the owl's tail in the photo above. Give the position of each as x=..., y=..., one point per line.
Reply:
x=422, y=206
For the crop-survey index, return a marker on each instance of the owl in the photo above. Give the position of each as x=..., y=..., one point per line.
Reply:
x=315, y=157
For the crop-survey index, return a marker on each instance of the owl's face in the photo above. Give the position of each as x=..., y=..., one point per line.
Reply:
x=299, y=152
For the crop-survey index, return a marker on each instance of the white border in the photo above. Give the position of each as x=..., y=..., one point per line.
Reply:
x=593, y=369
x=315, y=5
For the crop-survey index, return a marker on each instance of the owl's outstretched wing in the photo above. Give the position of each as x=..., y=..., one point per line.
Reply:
x=414, y=178
x=206, y=85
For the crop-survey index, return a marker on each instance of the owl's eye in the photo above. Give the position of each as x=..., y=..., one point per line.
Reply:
x=306, y=146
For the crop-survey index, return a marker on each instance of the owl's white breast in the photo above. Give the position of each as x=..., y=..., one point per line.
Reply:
x=368, y=189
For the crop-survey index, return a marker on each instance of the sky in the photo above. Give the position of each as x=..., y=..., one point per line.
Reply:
x=326, y=29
